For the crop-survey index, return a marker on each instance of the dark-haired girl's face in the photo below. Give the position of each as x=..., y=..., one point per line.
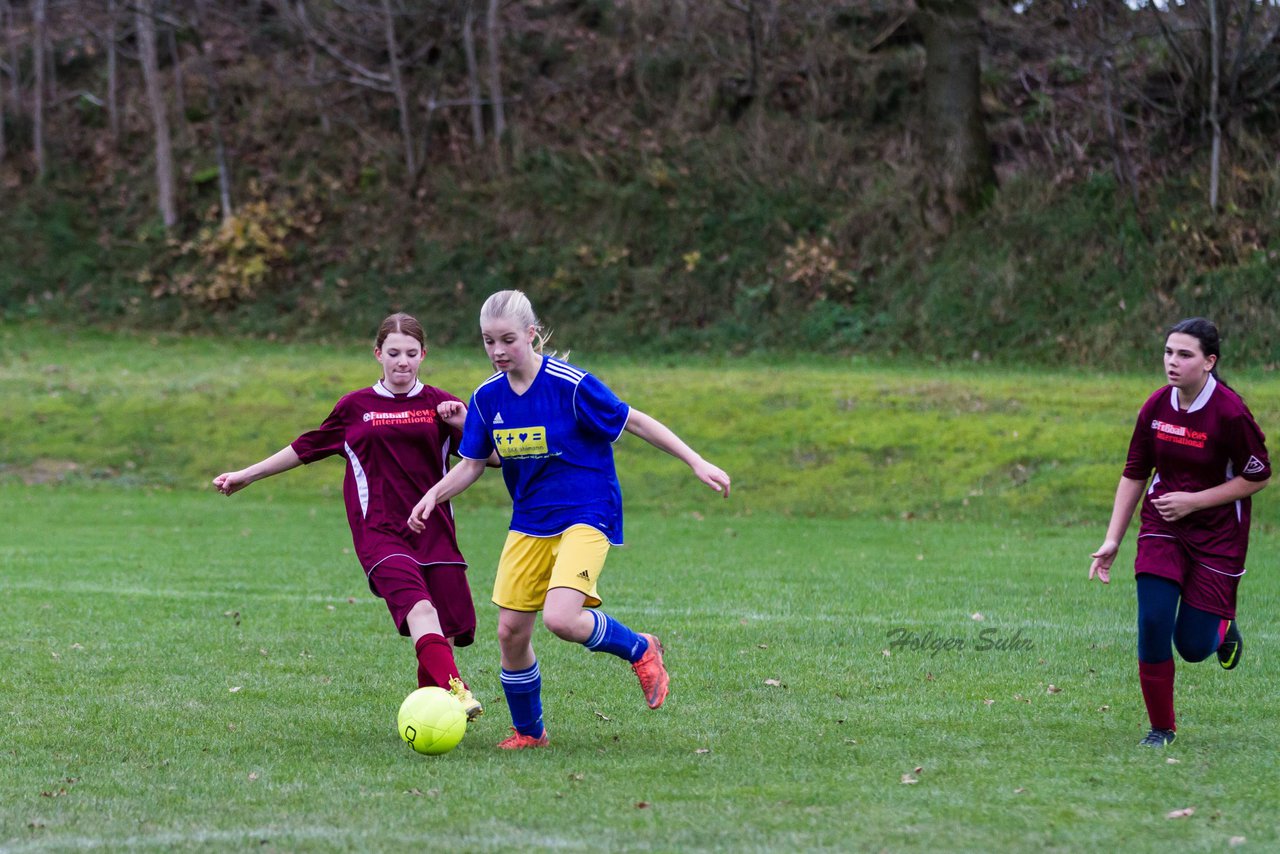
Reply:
x=1185, y=363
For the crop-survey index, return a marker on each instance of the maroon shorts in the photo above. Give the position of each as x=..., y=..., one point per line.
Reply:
x=1204, y=586
x=402, y=582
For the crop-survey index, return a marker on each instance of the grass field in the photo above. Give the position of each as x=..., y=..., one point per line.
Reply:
x=182, y=671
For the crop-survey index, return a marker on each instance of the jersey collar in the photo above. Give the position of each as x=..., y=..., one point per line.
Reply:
x=383, y=391
x=1201, y=399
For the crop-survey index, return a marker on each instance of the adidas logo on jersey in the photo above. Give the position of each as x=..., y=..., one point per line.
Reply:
x=1254, y=466
x=585, y=574
x=497, y=419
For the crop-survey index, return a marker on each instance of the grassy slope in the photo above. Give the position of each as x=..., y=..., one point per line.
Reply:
x=840, y=437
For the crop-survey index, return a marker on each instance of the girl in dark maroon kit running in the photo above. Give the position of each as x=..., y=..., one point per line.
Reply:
x=1208, y=456
x=396, y=437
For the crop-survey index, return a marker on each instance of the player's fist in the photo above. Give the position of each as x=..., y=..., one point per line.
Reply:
x=417, y=521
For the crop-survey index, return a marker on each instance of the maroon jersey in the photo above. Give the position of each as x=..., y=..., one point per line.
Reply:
x=1209, y=443
x=396, y=448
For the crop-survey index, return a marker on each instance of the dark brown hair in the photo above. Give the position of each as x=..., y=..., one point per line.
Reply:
x=404, y=324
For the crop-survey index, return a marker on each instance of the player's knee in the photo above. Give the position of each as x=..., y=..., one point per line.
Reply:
x=512, y=636
x=560, y=625
x=422, y=609
x=1192, y=651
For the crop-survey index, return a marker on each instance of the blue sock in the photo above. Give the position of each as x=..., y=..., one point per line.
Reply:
x=524, y=698
x=612, y=636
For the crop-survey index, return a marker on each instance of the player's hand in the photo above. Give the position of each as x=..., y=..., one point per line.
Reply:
x=1172, y=506
x=232, y=481
x=712, y=476
x=452, y=412
x=1102, y=560
x=418, y=515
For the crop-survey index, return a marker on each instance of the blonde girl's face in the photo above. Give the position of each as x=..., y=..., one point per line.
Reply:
x=400, y=356
x=508, y=345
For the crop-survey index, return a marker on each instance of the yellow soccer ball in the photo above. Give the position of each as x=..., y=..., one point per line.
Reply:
x=432, y=721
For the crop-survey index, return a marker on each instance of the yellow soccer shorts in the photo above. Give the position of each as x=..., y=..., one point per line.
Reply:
x=530, y=566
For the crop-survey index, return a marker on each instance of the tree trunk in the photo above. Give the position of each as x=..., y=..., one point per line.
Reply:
x=493, y=36
x=155, y=98
x=113, y=77
x=214, y=98
x=37, y=101
x=1215, y=61
x=398, y=87
x=473, y=74
x=958, y=154
x=179, y=85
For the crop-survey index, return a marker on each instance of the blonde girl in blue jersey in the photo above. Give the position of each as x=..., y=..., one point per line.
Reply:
x=553, y=425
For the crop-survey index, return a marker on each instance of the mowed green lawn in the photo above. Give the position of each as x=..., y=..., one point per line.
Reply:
x=184, y=671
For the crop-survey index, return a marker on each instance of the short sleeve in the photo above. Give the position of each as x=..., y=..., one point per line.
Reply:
x=1249, y=448
x=324, y=441
x=477, y=441
x=599, y=410
x=1141, y=458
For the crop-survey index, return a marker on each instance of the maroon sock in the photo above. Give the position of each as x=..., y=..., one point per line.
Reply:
x=1157, y=692
x=435, y=662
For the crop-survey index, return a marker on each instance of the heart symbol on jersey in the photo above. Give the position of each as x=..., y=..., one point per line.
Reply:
x=524, y=436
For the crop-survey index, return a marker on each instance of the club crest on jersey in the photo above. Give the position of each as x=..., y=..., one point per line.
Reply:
x=1254, y=466
x=521, y=442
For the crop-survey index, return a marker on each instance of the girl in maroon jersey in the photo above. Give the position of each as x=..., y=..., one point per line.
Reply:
x=1208, y=456
x=396, y=437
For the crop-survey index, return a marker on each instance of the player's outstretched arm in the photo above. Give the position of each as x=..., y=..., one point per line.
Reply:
x=1128, y=494
x=281, y=461
x=464, y=473
x=661, y=437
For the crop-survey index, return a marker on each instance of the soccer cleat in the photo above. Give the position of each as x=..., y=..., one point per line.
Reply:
x=1158, y=738
x=519, y=741
x=469, y=703
x=1232, y=646
x=652, y=673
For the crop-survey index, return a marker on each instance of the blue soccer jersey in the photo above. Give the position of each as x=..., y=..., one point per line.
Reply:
x=556, y=445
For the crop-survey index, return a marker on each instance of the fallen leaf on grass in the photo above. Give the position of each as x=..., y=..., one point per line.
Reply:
x=1172, y=761
x=236, y=689
x=762, y=645
x=977, y=617
x=577, y=777
x=908, y=780
x=774, y=683
x=642, y=805
x=701, y=750
x=253, y=775
x=76, y=646
x=1104, y=708
x=602, y=716
x=1182, y=813
x=885, y=653
x=1019, y=790
x=988, y=702
x=1235, y=841
x=1053, y=689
